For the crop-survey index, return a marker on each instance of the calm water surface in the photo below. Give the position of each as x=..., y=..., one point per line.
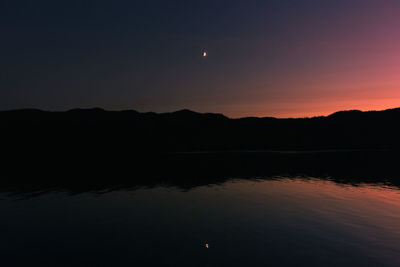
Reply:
x=244, y=222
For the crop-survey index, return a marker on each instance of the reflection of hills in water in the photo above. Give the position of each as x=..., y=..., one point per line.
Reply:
x=188, y=170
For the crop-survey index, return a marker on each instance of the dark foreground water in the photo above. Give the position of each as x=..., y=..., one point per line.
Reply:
x=258, y=221
x=247, y=223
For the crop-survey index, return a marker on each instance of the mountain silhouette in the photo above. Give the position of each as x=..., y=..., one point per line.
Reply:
x=185, y=130
x=106, y=149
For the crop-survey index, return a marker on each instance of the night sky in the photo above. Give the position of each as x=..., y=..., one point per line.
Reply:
x=265, y=58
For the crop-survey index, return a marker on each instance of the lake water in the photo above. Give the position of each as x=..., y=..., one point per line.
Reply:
x=275, y=221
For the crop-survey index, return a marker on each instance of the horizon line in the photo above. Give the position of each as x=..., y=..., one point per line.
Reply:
x=190, y=110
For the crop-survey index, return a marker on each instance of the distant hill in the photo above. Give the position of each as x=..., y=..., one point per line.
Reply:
x=90, y=149
x=81, y=131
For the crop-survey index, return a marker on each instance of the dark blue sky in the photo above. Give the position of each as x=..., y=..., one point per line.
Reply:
x=265, y=57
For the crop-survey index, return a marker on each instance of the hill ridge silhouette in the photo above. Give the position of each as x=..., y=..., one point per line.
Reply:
x=192, y=112
x=185, y=130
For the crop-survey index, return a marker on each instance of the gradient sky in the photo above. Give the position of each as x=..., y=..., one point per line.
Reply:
x=265, y=58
